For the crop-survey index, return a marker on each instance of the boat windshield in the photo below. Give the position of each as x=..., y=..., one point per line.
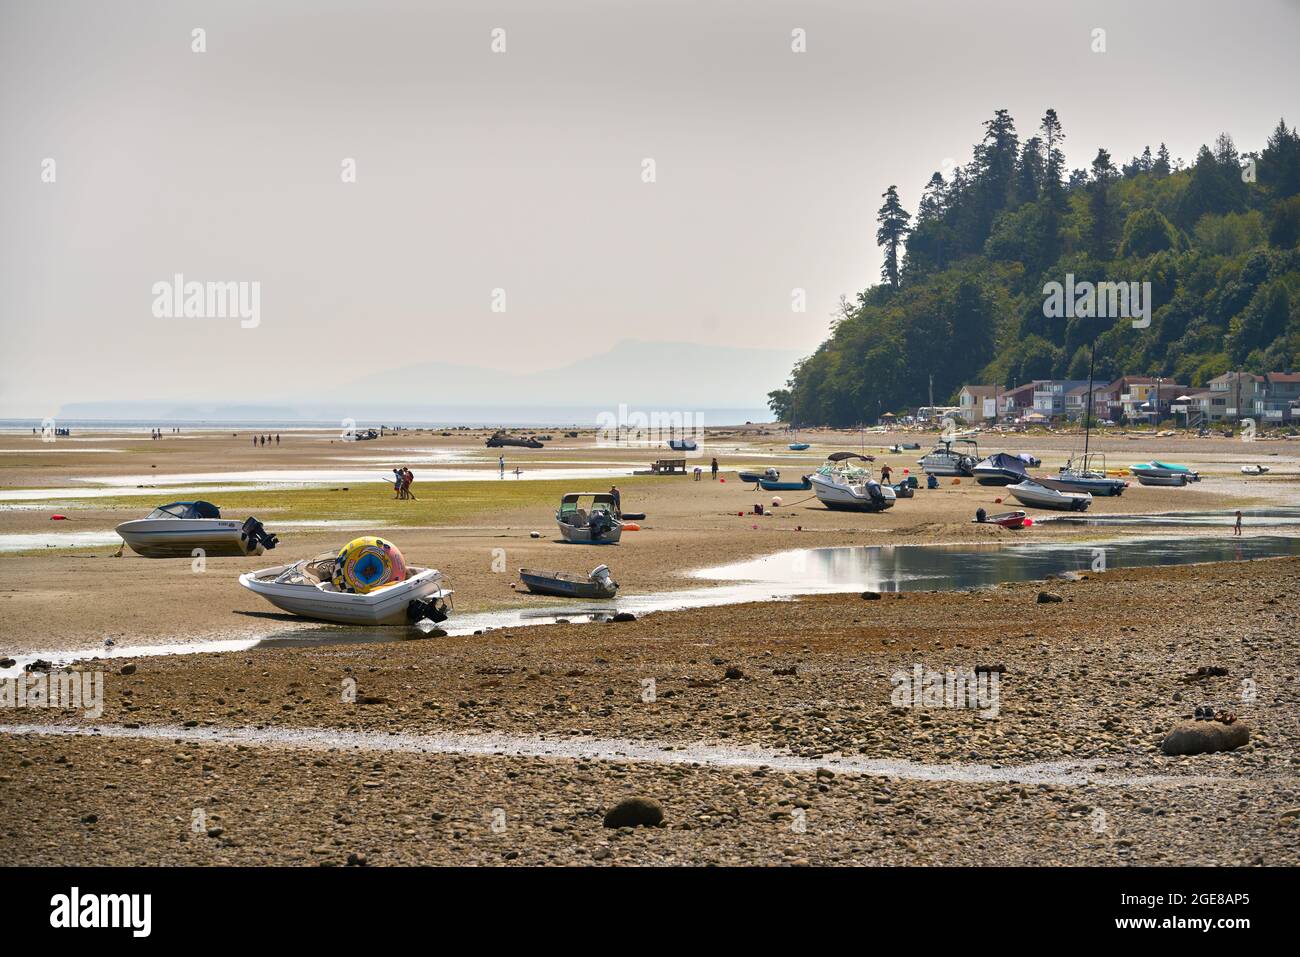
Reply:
x=186, y=510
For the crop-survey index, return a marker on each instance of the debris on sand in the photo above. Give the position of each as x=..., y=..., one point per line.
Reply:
x=1205, y=671
x=1049, y=598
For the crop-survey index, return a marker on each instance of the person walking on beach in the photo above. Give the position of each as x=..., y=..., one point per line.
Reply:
x=255, y=441
x=397, y=482
x=885, y=473
x=1236, y=529
x=501, y=465
x=618, y=499
x=277, y=438
x=408, y=478
x=714, y=469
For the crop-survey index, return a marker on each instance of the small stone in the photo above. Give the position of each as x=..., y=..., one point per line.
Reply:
x=356, y=859
x=871, y=596
x=733, y=673
x=1048, y=598
x=635, y=812
x=624, y=616
x=7, y=662
x=126, y=670
x=216, y=831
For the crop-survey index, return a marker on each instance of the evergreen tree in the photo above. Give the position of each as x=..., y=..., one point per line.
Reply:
x=1161, y=166
x=1279, y=165
x=893, y=220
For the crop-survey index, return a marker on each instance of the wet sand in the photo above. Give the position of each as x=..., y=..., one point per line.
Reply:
x=1071, y=768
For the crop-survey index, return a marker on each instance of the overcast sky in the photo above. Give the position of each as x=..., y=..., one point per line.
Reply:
x=523, y=170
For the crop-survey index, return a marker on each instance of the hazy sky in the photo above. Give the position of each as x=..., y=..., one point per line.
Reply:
x=523, y=170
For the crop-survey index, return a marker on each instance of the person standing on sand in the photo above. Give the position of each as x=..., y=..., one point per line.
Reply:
x=397, y=482
x=714, y=469
x=277, y=438
x=1236, y=529
x=501, y=465
x=618, y=499
x=885, y=473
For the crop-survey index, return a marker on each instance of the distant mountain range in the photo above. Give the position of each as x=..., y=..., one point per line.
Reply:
x=645, y=376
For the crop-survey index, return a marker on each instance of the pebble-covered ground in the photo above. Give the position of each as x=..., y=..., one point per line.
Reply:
x=1096, y=678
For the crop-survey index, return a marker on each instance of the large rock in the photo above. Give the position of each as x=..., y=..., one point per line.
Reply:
x=1204, y=737
x=635, y=812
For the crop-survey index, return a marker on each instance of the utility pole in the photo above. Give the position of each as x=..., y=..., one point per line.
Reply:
x=931, y=396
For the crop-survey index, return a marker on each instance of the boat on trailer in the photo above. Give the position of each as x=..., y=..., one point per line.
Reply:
x=175, y=530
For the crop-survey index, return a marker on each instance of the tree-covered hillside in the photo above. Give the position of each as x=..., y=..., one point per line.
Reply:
x=961, y=297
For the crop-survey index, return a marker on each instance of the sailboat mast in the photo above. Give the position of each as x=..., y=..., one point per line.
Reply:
x=1087, y=415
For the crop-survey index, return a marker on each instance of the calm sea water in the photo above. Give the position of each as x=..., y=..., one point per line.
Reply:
x=493, y=418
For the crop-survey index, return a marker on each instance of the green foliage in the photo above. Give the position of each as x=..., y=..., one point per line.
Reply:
x=962, y=294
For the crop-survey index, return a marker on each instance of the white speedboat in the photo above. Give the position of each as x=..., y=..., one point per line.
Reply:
x=1000, y=469
x=177, y=529
x=1254, y=470
x=1089, y=475
x=305, y=588
x=943, y=459
x=1031, y=493
x=842, y=485
x=589, y=518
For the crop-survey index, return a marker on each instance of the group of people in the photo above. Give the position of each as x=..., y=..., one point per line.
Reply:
x=266, y=439
x=158, y=433
x=402, y=479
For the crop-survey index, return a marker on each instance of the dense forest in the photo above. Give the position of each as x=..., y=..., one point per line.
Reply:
x=961, y=292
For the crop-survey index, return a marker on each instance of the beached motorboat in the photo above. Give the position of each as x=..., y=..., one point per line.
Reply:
x=682, y=445
x=1254, y=470
x=1158, y=478
x=844, y=485
x=1036, y=495
x=753, y=477
x=1162, y=473
x=943, y=459
x=1089, y=475
x=798, y=446
x=1014, y=519
x=598, y=584
x=771, y=482
x=177, y=529
x=307, y=588
x=589, y=518
x=500, y=440
x=1000, y=468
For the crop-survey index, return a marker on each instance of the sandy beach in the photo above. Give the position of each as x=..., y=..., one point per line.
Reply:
x=765, y=729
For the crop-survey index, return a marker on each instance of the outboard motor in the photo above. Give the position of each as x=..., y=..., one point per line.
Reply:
x=981, y=515
x=434, y=609
x=253, y=534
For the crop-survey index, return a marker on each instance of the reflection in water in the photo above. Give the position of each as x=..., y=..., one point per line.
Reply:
x=1257, y=517
x=780, y=577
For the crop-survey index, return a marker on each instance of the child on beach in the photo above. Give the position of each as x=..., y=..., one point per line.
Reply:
x=1236, y=529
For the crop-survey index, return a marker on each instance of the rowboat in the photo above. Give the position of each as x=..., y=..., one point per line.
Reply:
x=1005, y=519
x=598, y=584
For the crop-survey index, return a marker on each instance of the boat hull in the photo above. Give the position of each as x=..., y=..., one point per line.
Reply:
x=578, y=535
x=1176, y=480
x=1090, y=484
x=179, y=537
x=386, y=606
x=846, y=498
x=1038, y=496
x=996, y=476
x=561, y=586
x=769, y=486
